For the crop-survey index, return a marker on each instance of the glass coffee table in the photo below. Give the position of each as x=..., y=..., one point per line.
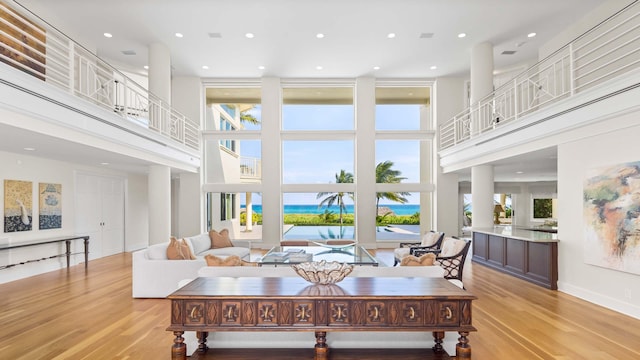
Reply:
x=352, y=254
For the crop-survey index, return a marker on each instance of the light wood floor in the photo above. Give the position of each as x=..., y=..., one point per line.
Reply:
x=68, y=314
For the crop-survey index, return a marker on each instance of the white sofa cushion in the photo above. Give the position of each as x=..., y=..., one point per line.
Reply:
x=399, y=253
x=199, y=243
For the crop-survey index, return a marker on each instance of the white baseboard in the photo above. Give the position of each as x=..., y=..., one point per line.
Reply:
x=625, y=308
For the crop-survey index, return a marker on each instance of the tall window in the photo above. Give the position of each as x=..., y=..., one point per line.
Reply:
x=314, y=162
x=318, y=151
x=232, y=153
x=401, y=167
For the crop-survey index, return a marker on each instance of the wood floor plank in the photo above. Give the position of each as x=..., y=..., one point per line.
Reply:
x=73, y=314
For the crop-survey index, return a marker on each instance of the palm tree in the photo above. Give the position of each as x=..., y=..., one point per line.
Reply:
x=331, y=198
x=386, y=175
x=246, y=117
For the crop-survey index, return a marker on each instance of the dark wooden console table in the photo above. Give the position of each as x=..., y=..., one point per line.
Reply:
x=67, y=240
x=292, y=304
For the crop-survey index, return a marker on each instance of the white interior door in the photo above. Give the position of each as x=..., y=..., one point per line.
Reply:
x=100, y=213
x=112, y=216
x=89, y=212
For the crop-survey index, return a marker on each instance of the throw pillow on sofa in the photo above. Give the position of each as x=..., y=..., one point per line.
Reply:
x=232, y=260
x=179, y=250
x=425, y=260
x=220, y=239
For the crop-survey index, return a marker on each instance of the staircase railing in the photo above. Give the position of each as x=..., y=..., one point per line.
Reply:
x=605, y=52
x=31, y=45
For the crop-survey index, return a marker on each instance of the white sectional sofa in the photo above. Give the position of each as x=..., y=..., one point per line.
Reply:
x=155, y=276
x=287, y=271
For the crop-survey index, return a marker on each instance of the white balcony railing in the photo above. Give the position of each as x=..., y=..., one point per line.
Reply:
x=33, y=46
x=607, y=51
x=250, y=168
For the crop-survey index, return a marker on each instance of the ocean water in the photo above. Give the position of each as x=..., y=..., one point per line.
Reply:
x=405, y=209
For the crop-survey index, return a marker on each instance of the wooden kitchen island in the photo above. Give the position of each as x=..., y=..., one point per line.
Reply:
x=210, y=304
x=524, y=253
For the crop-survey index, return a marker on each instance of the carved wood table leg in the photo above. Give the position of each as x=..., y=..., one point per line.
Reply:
x=179, y=348
x=202, y=341
x=463, y=349
x=437, y=339
x=321, y=348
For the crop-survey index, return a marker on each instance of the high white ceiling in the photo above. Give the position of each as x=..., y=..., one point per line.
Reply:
x=285, y=43
x=285, y=31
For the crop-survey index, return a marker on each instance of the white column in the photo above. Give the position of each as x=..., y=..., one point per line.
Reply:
x=160, y=71
x=365, y=162
x=482, y=190
x=447, y=101
x=271, y=154
x=249, y=208
x=190, y=205
x=159, y=204
x=187, y=97
x=481, y=78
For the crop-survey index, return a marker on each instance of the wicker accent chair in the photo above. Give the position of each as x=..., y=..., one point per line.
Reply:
x=451, y=258
x=432, y=241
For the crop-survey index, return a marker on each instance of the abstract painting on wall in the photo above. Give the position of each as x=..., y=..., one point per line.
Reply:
x=18, y=203
x=50, y=206
x=612, y=217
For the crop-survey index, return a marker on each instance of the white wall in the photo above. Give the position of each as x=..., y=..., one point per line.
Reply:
x=613, y=289
x=36, y=170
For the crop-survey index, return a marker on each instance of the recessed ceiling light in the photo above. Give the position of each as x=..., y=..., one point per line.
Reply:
x=249, y=35
x=146, y=67
x=104, y=163
x=391, y=35
x=319, y=35
x=179, y=35
x=461, y=35
x=433, y=67
x=532, y=35
x=519, y=172
x=376, y=68
x=261, y=67
x=108, y=35
x=29, y=149
x=205, y=67
x=318, y=67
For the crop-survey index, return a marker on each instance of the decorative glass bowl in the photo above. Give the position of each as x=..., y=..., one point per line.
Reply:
x=323, y=272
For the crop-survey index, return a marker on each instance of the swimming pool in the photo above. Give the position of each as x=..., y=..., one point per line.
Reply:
x=319, y=232
x=404, y=232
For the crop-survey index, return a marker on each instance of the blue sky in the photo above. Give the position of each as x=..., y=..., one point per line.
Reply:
x=312, y=162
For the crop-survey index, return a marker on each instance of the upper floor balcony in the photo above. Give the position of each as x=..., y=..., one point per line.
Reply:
x=250, y=169
x=597, y=65
x=34, y=47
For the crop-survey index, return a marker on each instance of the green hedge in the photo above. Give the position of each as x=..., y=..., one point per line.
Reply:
x=324, y=220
